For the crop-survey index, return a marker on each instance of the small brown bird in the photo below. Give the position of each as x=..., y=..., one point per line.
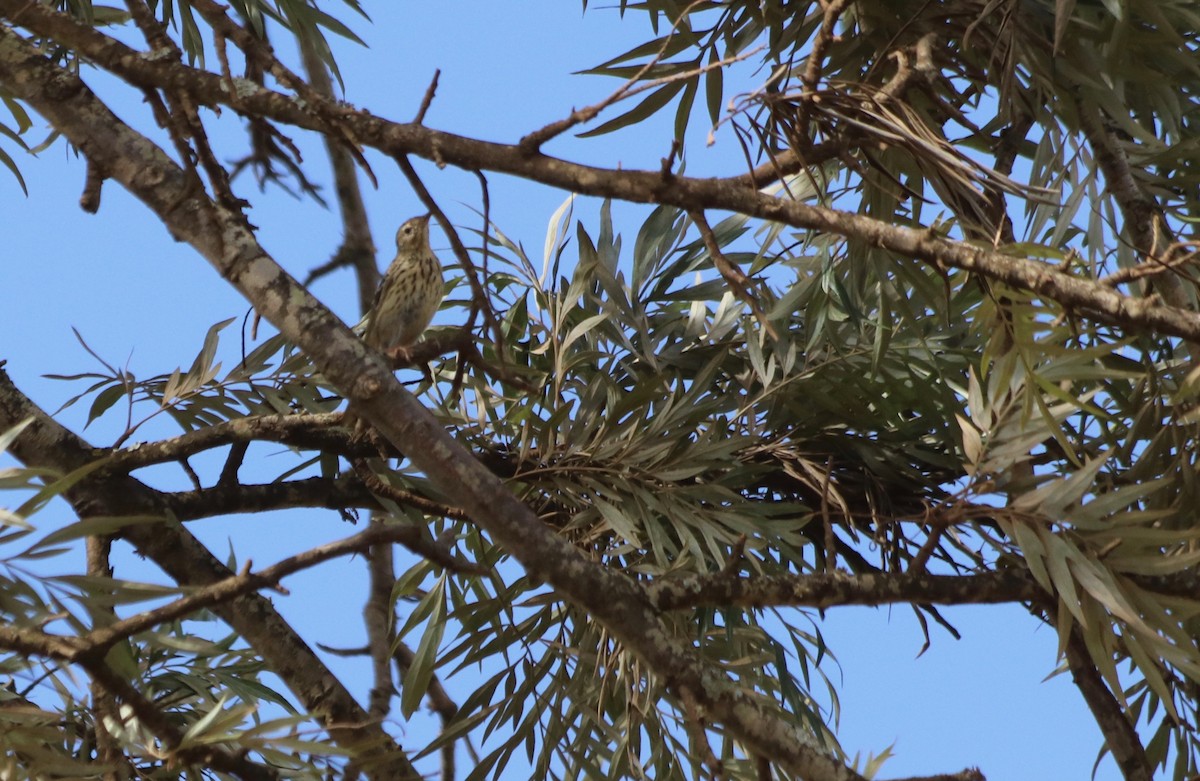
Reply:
x=410, y=294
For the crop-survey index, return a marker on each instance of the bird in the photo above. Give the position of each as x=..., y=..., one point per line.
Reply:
x=410, y=293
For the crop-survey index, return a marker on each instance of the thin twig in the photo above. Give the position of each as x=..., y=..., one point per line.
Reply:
x=357, y=249
x=312, y=100
x=427, y=100
x=183, y=119
x=412, y=537
x=1152, y=266
x=737, y=279
x=532, y=142
x=400, y=496
x=694, y=723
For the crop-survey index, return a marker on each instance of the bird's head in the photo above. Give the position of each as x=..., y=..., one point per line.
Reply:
x=413, y=234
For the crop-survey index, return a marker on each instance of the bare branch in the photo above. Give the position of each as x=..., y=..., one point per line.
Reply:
x=838, y=588
x=427, y=100
x=533, y=142
x=229, y=498
x=244, y=582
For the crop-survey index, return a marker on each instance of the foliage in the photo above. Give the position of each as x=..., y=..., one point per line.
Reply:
x=765, y=402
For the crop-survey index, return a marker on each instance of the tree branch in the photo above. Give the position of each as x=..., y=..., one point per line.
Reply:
x=838, y=588
x=408, y=535
x=308, y=432
x=227, y=499
x=1120, y=736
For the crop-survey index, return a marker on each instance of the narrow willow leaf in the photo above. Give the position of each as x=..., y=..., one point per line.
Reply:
x=648, y=106
x=416, y=680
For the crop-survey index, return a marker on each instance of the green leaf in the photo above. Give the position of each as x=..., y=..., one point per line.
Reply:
x=56, y=488
x=104, y=400
x=416, y=680
x=647, y=107
x=11, y=165
x=10, y=436
x=714, y=85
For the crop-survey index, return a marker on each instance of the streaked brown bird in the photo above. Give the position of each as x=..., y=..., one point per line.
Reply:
x=410, y=294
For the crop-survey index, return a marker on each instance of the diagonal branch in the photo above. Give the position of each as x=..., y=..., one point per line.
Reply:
x=227, y=241
x=246, y=581
x=1120, y=736
x=733, y=274
x=358, y=248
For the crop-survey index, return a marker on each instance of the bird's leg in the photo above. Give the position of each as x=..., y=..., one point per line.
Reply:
x=400, y=355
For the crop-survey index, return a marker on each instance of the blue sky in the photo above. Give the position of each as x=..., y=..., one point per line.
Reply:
x=144, y=301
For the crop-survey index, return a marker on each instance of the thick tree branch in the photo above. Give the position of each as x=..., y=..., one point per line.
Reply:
x=1085, y=296
x=306, y=432
x=1120, y=736
x=876, y=588
x=837, y=588
x=339, y=493
x=227, y=499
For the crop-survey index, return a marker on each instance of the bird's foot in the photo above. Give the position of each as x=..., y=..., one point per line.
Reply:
x=399, y=356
